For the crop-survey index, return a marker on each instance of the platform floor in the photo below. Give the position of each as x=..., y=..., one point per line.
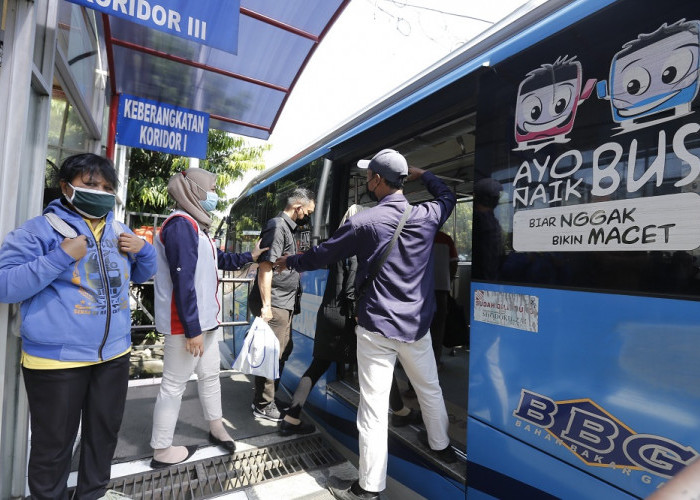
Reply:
x=192, y=429
x=134, y=453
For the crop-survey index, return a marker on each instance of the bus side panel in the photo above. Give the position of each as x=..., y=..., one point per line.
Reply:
x=313, y=284
x=474, y=494
x=605, y=382
x=303, y=331
x=502, y=467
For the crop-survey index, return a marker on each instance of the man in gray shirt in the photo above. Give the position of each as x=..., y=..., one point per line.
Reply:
x=394, y=314
x=274, y=294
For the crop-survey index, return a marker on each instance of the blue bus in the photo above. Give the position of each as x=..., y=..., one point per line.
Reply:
x=579, y=377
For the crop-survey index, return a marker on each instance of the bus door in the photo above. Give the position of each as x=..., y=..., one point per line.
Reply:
x=247, y=218
x=447, y=150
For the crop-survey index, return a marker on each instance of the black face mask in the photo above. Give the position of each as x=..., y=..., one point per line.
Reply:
x=371, y=194
x=303, y=221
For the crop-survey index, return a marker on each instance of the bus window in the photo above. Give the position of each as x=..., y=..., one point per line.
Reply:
x=309, y=177
x=459, y=228
x=246, y=222
x=609, y=208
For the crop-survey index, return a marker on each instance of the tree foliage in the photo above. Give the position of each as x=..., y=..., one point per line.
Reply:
x=228, y=156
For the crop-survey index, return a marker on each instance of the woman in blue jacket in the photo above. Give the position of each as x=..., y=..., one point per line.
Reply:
x=76, y=324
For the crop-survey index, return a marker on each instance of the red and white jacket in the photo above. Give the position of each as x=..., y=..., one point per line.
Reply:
x=186, y=282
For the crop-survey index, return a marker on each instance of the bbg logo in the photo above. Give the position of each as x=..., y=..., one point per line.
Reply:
x=599, y=439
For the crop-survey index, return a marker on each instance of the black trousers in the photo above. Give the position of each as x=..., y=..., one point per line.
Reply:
x=437, y=327
x=57, y=398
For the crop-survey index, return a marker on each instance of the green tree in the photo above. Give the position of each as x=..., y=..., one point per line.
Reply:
x=228, y=156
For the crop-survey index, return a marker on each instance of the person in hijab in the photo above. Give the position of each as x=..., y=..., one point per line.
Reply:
x=70, y=268
x=187, y=310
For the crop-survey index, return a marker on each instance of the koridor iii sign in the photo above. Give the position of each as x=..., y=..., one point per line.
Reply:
x=209, y=22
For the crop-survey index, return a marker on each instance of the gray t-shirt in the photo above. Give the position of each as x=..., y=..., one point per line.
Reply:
x=278, y=234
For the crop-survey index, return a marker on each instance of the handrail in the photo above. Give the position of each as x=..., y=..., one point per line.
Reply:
x=140, y=328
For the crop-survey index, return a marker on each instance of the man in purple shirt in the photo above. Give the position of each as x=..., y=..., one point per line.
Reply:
x=395, y=312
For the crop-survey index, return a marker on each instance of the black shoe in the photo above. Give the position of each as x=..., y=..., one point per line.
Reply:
x=287, y=428
x=269, y=412
x=414, y=417
x=446, y=455
x=157, y=464
x=229, y=446
x=355, y=492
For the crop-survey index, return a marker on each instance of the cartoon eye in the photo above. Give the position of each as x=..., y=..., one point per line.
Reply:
x=561, y=100
x=532, y=107
x=636, y=80
x=677, y=66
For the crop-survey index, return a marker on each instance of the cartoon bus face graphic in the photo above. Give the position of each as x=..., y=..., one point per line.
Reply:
x=547, y=102
x=655, y=77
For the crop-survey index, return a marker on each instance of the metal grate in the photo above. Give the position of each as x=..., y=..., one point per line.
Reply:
x=213, y=476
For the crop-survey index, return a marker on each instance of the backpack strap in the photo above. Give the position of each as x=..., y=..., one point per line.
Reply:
x=67, y=231
x=60, y=226
x=118, y=228
x=195, y=226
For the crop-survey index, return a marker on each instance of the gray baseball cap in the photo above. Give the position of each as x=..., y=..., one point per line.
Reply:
x=389, y=164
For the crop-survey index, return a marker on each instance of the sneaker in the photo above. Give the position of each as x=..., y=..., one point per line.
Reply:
x=269, y=412
x=414, y=417
x=287, y=428
x=446, y=455
x=355, y=492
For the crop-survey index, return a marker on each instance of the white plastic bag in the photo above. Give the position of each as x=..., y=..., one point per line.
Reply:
x=260, y=353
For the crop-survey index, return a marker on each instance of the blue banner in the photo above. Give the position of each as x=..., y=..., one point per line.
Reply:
x=157, y=126
x=209, y=22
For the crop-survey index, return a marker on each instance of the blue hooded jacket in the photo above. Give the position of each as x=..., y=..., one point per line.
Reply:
x=71, y=310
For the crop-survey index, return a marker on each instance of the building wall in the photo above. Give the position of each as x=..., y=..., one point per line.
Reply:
x=39, y=42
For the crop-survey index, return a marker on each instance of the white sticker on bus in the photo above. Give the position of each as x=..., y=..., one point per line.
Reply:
x=668, y=222
x=513, y=310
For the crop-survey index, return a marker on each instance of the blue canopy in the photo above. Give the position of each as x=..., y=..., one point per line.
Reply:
x=243, y=93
